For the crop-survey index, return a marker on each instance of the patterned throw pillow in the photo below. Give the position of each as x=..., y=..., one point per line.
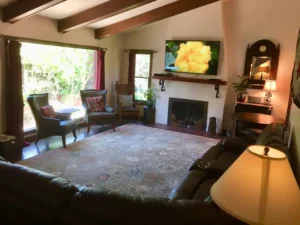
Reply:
x=95, y=104
x=126, y=101
x=48, y=111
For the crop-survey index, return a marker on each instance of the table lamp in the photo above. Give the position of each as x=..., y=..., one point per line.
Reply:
x=259, y=188
x=270, y=86
x=263, y=69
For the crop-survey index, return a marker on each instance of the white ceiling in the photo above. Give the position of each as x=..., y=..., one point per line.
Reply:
x=4, y=3
x=131, y=13
x=71, y=7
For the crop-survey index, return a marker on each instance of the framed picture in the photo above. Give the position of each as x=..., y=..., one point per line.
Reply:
x=296, y=75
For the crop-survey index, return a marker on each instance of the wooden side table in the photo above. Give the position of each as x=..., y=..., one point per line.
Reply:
x=149, y=115
x=253, y=108
x=254, y=118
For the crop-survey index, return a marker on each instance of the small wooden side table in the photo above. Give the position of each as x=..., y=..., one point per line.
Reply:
x=149, y=115
x=253, y=108
x=254, y=118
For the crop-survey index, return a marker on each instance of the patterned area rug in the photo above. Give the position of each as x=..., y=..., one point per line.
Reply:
x=134, y=159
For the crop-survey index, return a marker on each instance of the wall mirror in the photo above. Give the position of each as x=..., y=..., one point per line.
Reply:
x=261, y=63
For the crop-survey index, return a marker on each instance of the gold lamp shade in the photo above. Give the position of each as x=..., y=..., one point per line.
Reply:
x=259, y=188
x=270, y=85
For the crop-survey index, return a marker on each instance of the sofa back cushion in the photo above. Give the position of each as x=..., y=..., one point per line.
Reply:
x=126, y=101
x=48, y=111
x=100, y=206
x=95, y=104
x=267, y=135
x=36, y=186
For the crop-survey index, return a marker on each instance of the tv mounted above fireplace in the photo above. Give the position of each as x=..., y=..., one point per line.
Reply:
x=199, y=57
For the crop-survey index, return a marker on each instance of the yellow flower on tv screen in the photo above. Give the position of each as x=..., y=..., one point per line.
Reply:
x=193, y=57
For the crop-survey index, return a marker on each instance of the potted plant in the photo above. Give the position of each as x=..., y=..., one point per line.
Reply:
x=150, y=96
x=241, y=88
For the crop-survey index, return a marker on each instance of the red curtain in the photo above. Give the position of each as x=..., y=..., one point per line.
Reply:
x=131, y=68
x=100, y=70
x=14, y=92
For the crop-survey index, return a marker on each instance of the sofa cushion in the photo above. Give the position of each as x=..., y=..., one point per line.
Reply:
x=126, y=101
x=187, y=188
x=48, y=111
x=103, y=115
x=95, y=104
x=100, y=206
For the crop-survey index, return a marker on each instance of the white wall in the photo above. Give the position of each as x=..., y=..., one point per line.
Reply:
x=200, y=24
x=249, y=21
x=45, y=29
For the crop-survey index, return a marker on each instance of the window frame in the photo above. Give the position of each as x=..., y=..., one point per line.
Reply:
x=143, y=52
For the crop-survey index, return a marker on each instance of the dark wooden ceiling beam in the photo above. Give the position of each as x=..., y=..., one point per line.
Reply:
x=155, y=15
x=25, y=8
x=97, y=13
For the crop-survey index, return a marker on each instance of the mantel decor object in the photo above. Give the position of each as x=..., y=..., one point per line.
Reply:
x=241, y=88
x=163, y=77
x=261, y=63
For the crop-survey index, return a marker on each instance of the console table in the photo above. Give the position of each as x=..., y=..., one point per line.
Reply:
x=257, y=118
x=253, y=108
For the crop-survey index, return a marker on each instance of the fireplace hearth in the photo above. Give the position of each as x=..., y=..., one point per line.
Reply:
x=187, y=113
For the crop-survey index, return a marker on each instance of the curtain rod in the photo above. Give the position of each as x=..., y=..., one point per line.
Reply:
x=139, y=50
x=60, y=44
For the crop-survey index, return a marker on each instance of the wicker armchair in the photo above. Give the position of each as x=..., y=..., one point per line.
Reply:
x=47, y=127
x=127, y=89
x=98, y=118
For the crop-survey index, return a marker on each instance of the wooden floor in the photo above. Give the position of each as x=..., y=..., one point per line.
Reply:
x=56, y=142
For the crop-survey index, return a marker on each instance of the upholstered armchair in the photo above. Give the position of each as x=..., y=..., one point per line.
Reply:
x=46, y=127
x=134, y=109
x=107, y=116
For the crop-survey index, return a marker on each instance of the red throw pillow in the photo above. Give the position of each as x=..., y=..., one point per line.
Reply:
x=48, y=111
x=95, y=104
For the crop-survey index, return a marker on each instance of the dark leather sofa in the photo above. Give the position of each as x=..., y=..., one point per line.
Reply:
x=29, y=196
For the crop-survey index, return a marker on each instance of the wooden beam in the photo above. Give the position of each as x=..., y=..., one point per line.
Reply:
x=97, y=13
x=161, y=13
x=26, y=8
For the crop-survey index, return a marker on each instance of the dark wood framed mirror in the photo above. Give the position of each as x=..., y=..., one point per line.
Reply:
x=261, y=63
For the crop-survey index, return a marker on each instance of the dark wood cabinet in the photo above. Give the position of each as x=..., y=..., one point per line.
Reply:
x=149, y=115
x=253, y=108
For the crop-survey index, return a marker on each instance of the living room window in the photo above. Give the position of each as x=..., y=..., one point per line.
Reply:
x=142, y=75
x=60, y=71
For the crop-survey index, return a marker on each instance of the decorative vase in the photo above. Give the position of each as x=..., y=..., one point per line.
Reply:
x=149, y=104
x=240, y=97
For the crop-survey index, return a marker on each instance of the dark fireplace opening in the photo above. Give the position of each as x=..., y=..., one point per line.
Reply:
x=187, y=113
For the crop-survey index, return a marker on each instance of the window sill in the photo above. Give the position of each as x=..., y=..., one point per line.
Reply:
x=141, y=102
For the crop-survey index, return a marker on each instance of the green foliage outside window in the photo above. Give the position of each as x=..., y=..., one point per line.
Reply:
x=60, y=71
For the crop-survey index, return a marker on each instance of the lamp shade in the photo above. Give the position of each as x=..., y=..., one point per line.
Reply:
x=264, y=69
x=270, y=85
x=259, y=189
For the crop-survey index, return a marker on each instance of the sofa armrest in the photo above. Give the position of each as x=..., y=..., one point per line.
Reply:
x=235, y=144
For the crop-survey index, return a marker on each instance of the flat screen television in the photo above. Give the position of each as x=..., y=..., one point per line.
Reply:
x=199, y=57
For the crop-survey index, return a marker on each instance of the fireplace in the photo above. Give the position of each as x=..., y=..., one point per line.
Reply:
x=187, y=113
